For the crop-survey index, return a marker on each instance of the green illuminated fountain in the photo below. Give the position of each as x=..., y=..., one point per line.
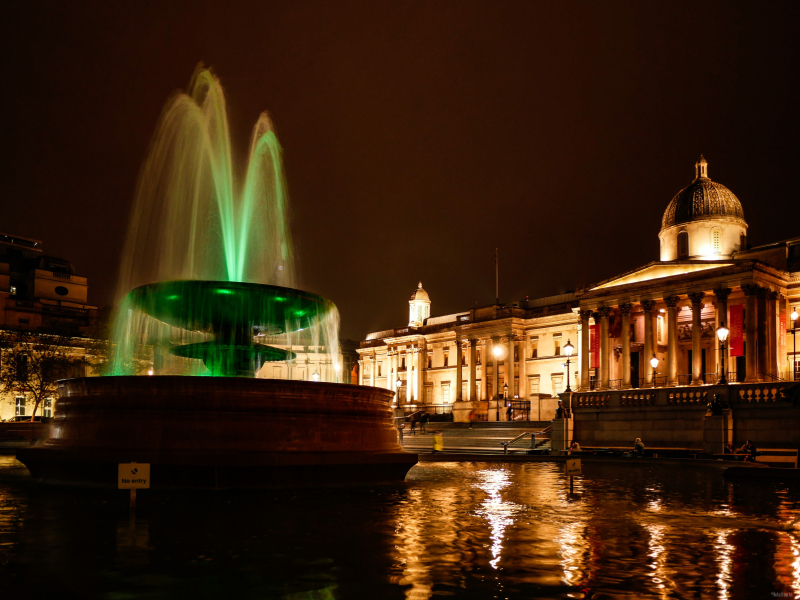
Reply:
x=210, y=259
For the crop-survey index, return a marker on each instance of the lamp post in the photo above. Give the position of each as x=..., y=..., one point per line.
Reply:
x=568, y=350
x=315, y=376
x=722, y=334
x=794, y=343
x=497, y=406
x=654, y=364
x=398, y=384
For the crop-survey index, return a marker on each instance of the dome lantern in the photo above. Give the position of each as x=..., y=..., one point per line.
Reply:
x=419, y=307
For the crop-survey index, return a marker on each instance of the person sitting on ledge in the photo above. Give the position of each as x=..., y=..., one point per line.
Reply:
x=574, y=447
x=638, y=447
x=750, y=450
x=729, y=449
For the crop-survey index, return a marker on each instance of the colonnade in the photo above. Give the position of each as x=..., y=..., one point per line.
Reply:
x=761, y=331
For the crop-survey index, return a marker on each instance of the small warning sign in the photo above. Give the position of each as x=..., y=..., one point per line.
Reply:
x=574, y=466
x=133, y=476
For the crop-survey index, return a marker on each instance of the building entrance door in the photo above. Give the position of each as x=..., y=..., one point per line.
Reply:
x=635, y=369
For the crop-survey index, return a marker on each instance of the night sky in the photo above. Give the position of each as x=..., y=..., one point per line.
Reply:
x=417, y=136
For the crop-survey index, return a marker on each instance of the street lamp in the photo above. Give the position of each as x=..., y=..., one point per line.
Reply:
x=315, y=376
x=568, y=350
x=722, y=334
x=497, y=405
x=794, y=343
x=654, y=364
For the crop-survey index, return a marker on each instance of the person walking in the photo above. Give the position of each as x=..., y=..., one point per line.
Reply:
x=413, y=425
x=423, y=422
x=438, y=442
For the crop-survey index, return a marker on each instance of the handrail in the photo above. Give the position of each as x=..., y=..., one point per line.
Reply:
x=410, y=415
x=771, y=376
x=520, y=436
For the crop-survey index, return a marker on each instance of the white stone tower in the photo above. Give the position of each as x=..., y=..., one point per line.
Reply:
x=419, y=307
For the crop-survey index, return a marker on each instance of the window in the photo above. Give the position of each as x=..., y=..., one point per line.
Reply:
x=683, y=244
x=556, y=344
x=477, y=362
x=20, y=406
x=47, y=411
x=404, y=363
x=716, y=241
x=534, y=347
x=463, y=359
x=380, y=365
x=660, y=329
x=429, y=393
x=516, y=353
x=430, y=361
x=742, y=241
x=445, y=359
x=22, y=367
x=556, y=380
x=533, y=385
x=23, y=321
x=446, y=392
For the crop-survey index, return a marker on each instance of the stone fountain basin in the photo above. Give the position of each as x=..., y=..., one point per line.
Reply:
x=220, y=432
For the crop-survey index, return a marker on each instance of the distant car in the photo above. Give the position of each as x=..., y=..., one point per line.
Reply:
x=25, y=419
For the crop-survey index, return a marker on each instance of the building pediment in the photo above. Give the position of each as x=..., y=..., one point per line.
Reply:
x=660, y=270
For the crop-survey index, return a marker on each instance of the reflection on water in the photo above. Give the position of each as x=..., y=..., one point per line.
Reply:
x=464, y=530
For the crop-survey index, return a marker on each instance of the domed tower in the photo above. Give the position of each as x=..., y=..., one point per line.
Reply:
x=419, y=307
x=704, y=221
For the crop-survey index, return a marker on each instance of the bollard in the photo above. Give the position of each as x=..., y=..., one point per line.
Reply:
x=533, y=441
x=505, y=447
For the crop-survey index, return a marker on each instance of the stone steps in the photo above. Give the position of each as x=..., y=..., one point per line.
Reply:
x=483, y=439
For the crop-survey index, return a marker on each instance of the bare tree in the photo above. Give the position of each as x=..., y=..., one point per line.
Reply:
x=33, y=362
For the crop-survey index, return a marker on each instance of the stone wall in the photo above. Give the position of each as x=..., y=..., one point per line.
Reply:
x=679, y=417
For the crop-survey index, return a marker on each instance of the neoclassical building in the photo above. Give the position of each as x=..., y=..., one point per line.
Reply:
x=669, y=309
x=479, y=361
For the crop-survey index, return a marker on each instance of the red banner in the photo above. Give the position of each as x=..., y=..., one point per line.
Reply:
x=782, y=333
x=737, y=330
x=594, y=347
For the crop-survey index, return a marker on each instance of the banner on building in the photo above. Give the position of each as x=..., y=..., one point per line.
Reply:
x=737, y=330
x=782, y=336
x=594, y=347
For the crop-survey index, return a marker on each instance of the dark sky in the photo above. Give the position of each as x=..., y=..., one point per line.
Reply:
x=417, y=136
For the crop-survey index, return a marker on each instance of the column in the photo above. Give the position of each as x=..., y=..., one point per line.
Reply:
x=485, y=368
x=360, y=372
x=604, y=311
x=509, y=380
x=649, y=349
x=774, y=338
x=761, y=334
x=409, y=382
x=374, y=366
x=625, y=309
x=459, y=366
x=697, y=332
x=523, y=368
x=473, y=369
x=722, y=318
x=672, y=339
x=420, y=372
x=750, y=291
x=495, y=374
x=585, y=346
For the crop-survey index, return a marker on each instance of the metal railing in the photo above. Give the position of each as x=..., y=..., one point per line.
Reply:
x=770, y=377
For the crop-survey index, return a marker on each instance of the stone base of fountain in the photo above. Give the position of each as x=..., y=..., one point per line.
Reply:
x=220, y=432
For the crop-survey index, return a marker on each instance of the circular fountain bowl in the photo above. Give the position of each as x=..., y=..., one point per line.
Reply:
x=220, y=432
x=227, y=306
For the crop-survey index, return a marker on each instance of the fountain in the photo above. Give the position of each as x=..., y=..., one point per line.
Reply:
x=207, y=269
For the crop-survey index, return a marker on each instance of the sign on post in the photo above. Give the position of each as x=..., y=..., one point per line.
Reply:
x=574, y=466
x=133, y=476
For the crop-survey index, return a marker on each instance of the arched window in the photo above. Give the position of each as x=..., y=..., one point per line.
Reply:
x=742, y=241
x=716, y=241
x=683, y=244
